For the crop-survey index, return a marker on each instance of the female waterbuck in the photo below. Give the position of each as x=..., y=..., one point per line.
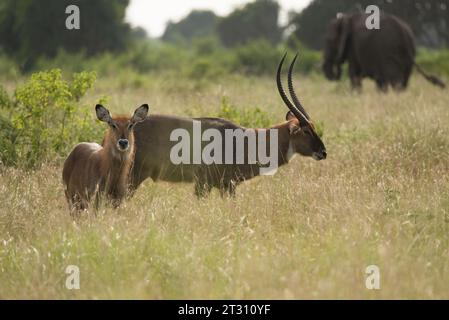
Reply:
x=91, y=170
x=192, y=150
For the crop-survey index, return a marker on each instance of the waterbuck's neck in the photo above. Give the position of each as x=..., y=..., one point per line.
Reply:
x=284, y=149
x=115, y=164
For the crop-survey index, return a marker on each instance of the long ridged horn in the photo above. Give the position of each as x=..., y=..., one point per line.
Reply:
x=292, y=91
x=298, y=114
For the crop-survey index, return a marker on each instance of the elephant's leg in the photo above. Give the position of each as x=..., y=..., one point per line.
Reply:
x=397, y=74
x=382, y=85
x=397, y=82
x=406, y=76
x=355, y=76
x=356, y=84
x=398, y=86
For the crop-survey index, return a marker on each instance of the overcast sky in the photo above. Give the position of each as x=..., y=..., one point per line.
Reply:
x=153, y=15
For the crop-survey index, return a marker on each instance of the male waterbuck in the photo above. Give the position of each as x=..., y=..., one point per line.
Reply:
x=210, y=158
x=91, y=169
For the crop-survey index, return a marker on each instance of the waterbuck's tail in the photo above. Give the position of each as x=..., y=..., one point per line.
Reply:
x=431, y=78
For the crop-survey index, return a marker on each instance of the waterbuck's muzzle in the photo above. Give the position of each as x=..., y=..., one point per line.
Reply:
x=123, y=144
x=320, y=155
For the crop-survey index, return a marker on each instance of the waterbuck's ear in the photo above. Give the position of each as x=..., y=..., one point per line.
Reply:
x=140, y=114
x=103, y=113
x=289, y=116
x=294, y=128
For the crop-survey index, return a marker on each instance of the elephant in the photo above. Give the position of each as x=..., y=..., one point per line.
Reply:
x=386, y=55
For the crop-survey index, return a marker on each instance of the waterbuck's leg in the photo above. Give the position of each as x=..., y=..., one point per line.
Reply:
x=227, y=188
x=202, y=185
x=74, y=206
x=116, y=197
x=135, y=181
x=97, y=201
x=116, y=203
x=77, y=206
x=202, y=188
x=231, y=189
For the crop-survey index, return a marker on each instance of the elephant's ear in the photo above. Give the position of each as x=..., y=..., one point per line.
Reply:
x=344, y=31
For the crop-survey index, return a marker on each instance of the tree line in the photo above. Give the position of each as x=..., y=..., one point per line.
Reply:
x=32, y=29
x=429, y=20
x=259, y=19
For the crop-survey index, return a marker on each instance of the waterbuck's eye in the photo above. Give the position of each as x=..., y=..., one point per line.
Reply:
x=114, y=126
x=130, y=126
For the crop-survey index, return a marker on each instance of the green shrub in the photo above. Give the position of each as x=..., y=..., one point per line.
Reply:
x=206, y=46
x=46, y=118
x=258, y=57
x=7, y=131
x=250, y=117
x=69, y=62
x=206, y=68
x=261, y=57
x=308, y=60
x=200, y=69
x=155, y=57
x=104, y=64
x=8, y=136
x=203, y=60
x=5, y=101
x=8, y=68
x=434, y=61
x=319, y=128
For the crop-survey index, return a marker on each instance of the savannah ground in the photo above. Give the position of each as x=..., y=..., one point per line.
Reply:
x=380, y=198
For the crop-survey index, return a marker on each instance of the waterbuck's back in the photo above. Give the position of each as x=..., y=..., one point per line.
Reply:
x=154, y=146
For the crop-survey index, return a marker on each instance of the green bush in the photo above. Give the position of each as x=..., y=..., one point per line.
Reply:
x=45, y=118
x=5, y=101
x=319, y=128
x=308, y=60
x=104, y=64
x=8, y=68
x=69, y=62
x=205, y=59
x=250, y=117
x=207, y=68
x=206, y=46
x=434, y=61
x=7, y=131
x=200, y=69
x=155, y=57
x=258, y=57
